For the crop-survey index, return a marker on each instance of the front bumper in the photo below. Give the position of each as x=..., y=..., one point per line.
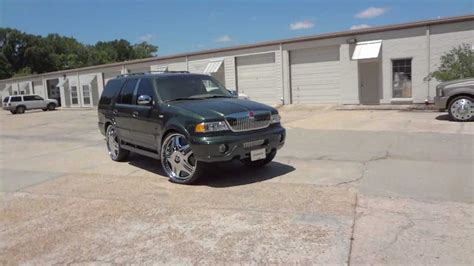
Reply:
x=8, y=108
x=206, y=148
x=441, y=102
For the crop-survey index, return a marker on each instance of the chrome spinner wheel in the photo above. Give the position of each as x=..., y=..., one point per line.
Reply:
x=178, y=159
x=461, y=109
x=112, y=143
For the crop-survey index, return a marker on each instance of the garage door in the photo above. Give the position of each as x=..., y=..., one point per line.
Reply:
x=315, y=75
x=257, y=77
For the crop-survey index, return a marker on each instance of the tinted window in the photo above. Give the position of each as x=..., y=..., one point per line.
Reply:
x=29, y=98
x=146, y=88
x=15, y=99
x=194, y=86
x=126, y=95
x=6, y=99
x=38, y=98
x=110, y=90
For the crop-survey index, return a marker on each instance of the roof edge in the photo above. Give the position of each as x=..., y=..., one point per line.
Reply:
x=420, y=23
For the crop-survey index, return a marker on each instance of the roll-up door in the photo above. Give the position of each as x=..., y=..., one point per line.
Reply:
x=315, y=75
x=257, y=78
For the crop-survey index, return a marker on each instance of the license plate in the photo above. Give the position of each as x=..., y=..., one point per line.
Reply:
x=257, y=155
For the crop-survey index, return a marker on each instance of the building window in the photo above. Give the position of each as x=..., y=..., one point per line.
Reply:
x=74, y=95
x=401, y=79
x=86, y=94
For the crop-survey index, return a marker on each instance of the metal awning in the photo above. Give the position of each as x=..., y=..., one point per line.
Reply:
x=88, y=79
x=213, y=67
x=158, y=68
x=62, y=82
x=367, y=50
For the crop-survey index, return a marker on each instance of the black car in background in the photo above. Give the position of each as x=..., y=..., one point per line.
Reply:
x=186, y=120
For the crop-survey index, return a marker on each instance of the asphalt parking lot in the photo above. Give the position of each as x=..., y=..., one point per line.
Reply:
x=349, y=187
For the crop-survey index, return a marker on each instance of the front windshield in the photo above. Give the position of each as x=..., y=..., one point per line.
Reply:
x=189, y=87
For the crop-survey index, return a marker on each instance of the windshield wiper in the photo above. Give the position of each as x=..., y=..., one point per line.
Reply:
x=210, y=96
x=182, y=99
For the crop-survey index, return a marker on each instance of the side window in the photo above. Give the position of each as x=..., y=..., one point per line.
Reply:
x=38, y=98
x=146, y=88
x=29, y=98
x=126, y=95
x=15, y=99
x=110, y=90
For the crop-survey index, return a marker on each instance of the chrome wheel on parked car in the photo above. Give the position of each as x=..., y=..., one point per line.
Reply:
x=177, y=159
x=461, y=108
x=113, y=145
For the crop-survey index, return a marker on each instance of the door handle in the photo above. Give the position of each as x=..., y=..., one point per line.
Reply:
x=135, y=114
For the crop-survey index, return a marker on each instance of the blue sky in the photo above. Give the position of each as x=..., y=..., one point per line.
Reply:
x=184, y=26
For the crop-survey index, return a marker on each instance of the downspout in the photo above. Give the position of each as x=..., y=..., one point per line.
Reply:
x=428, y=65
x=282, y=76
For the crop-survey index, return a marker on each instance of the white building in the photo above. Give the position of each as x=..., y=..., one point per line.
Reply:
x=379, y=65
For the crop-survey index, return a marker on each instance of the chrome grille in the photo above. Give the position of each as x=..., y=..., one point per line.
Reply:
x=247, y=121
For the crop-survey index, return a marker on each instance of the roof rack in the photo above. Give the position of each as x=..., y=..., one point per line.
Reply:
x=148, y=73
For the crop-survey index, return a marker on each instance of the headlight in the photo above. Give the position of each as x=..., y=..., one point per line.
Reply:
x=211, y=127
x=275, y=118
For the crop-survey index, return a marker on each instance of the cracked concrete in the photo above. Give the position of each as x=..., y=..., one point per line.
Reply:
x=357, y=187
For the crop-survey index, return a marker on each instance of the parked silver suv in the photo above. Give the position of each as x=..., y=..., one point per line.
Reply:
x=17, y=104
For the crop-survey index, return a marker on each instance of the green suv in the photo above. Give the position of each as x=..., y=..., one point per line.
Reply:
x=186, y=120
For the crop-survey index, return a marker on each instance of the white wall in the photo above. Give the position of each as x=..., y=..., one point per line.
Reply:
x=442, y=39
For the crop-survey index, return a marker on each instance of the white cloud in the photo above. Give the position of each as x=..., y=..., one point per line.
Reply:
x=360, y=26
x=223, y=38
x=146, y=38
x=301, y=25
x=371, y=12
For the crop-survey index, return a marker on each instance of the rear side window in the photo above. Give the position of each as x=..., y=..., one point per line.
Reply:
x=126, y=95
x=29, y=98
x=110, y=90
x=15, y=99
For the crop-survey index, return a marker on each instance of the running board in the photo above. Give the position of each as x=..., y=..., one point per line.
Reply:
x=140, y=151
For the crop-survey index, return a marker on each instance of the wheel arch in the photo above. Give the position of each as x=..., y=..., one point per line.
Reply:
x=452, y=97
x=173, y=128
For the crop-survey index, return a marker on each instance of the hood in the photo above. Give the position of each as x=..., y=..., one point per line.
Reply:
x=219, y=107
x=458, y=82
x=51, y=100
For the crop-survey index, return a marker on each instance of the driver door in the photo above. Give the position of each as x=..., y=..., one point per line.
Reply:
x=147, y=124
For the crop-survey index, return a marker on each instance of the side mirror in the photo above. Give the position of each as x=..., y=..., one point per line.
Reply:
x=144, y=100
x=234, y=93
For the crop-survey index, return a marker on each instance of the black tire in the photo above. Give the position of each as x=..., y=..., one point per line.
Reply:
x=461, y=108
x=116, y=153
x=51, y=106
x=177, y=157
x=256, y=164
x=13, y=112
x=20, y=110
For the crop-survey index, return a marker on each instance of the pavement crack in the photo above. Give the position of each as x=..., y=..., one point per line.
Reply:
x=401, y=230
x=354, y=219
x=362, y=176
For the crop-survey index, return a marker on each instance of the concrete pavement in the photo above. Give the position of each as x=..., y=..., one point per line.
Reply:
x=348, y=187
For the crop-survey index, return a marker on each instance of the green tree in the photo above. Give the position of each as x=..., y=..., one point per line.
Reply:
x=458, y=63
x=24, y=54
